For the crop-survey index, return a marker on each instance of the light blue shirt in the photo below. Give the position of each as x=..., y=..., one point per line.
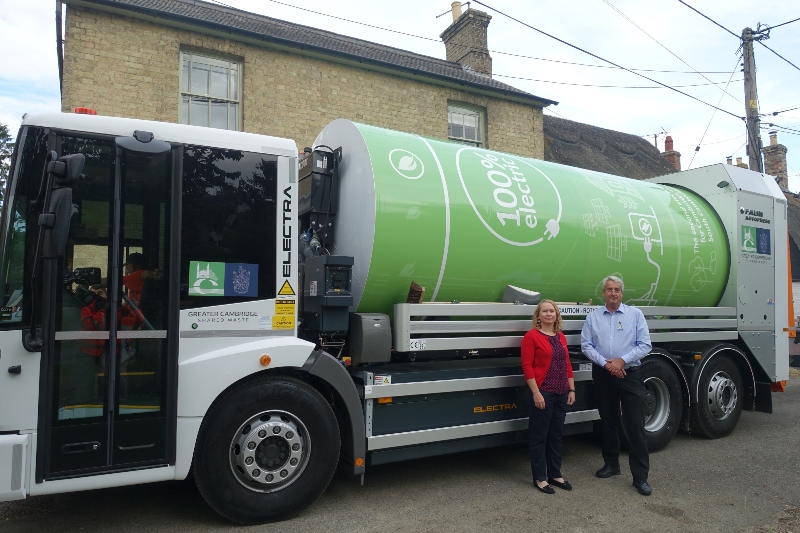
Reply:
x=623, y=333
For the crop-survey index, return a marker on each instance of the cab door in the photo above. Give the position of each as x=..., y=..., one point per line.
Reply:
x=108, y=401
x=19, y=368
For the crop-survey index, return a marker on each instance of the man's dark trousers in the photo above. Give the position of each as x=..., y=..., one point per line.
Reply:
x=610, y=392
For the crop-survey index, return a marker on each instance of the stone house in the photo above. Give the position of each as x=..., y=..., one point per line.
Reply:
x=195, y=62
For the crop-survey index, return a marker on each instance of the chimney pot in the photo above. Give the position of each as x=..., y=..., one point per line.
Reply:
x=773, y=138
x=668, y=145
x=729, y=160
x=456, y=8
x=739, y=161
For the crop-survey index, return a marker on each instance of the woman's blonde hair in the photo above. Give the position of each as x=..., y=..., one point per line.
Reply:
x=537, y=323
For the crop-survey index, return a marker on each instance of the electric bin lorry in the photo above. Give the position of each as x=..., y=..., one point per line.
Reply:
x=178, y=298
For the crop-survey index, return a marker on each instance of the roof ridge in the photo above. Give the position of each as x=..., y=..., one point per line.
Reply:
x=330, y=34
x=293, y=35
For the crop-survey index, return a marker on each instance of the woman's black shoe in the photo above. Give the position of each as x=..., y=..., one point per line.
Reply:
x=547, y=489
x=565, y=485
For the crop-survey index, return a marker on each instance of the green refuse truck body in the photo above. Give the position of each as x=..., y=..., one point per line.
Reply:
x=464, y=222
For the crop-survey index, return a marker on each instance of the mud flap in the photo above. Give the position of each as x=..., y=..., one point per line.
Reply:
x=763, y=400
x=326, y=367
x=13, y=466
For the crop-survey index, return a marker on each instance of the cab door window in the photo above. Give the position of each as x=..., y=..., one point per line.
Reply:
x=83, y=315
x=21, y=228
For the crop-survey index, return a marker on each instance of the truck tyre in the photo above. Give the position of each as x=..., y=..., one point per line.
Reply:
x=663, y=404
x=266, y=450
x=719, y=398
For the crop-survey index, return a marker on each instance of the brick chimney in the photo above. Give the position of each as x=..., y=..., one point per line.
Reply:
x=740, y=164
x=775, y=161
x=465, y=40
x=671, y=155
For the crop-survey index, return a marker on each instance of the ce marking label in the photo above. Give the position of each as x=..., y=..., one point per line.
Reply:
x=416, y=345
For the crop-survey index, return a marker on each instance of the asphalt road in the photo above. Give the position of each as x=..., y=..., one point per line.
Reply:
x=745, y=482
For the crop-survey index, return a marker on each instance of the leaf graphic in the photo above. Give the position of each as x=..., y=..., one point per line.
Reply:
x=407, y=162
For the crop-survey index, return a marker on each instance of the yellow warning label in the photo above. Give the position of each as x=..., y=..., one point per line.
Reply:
x=283, y=322
x=753, y=104
x=284, y=307
x=286, y=289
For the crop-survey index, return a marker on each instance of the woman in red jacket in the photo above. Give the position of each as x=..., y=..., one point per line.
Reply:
x=551, y=388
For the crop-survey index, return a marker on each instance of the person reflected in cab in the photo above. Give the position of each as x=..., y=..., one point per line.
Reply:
x=615, y=338
x=551, y=388
x=93, y=318
x=135, y=276
x=81, y=368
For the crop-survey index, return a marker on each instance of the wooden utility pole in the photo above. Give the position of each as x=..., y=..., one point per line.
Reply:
x=751, y=102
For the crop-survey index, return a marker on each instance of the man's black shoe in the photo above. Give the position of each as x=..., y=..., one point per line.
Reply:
x=608, y=471
x=643, y=488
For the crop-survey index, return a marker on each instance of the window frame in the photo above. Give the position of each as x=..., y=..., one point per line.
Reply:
x=185, y=87
x=465, y=109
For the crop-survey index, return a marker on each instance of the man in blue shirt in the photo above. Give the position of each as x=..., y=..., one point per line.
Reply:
x=615, y=338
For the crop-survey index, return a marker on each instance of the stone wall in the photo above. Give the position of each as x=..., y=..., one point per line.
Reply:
x=122, y=66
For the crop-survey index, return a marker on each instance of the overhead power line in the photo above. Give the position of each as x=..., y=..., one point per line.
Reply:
x=490, y=51
x=777, y=54
x=710, y=19
x=714, y=142
x=609, y=86
x=659, y=43
x=783, y=128
x=774, y=113
x=548, y=110
x=602, y=59
x=742, y=146
x=601, y=66
x=764, y=32
x=697, y=148
x=782, y=24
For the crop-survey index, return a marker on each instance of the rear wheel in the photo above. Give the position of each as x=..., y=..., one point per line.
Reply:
x=719, y=401
x=663, y=403
x=266, y=450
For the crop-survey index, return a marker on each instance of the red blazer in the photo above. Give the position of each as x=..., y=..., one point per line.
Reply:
x=536, y=355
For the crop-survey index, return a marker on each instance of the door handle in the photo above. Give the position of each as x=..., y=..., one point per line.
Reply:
x=139, y=447
x=80, y=447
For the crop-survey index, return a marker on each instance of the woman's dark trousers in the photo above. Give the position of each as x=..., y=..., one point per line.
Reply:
x=545, y=430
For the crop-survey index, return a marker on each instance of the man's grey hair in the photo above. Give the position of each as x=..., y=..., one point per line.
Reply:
x=615, y=279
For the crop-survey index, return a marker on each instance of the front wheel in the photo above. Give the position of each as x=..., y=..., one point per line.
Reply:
x=719, y=400
x=266, y=450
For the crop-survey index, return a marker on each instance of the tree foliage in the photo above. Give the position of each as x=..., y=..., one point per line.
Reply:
x=6, y=147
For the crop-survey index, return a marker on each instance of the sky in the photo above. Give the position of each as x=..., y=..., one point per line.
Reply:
x=660, y=36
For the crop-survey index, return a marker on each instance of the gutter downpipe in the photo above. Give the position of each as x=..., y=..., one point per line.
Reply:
x=59, y=49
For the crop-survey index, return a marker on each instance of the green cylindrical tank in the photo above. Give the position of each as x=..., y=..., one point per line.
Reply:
x=464, y=222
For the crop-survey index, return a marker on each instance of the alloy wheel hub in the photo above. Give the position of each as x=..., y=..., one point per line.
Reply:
x=722, y=395
x=269, y=451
